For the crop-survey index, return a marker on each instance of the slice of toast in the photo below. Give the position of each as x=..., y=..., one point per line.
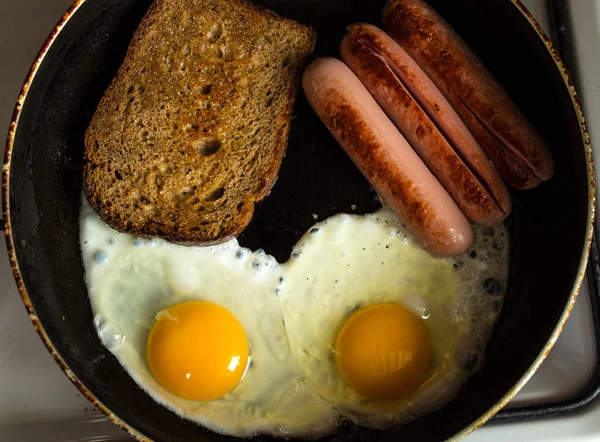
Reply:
x=192, y=130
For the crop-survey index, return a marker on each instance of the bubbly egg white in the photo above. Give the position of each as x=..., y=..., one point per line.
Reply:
x=348, y=262
x=292, y=312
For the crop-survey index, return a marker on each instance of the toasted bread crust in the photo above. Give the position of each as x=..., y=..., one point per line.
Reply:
x=192, y=130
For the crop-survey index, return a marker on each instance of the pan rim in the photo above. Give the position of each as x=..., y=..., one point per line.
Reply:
x=138, y=435
x=10, y=243
x=581, y=271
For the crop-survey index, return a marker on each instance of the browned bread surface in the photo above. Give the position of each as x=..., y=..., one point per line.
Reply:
x=193, y=128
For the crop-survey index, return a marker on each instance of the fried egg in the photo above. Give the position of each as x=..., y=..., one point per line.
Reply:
x=136, y=285
x=381, y=327
x=360, y=323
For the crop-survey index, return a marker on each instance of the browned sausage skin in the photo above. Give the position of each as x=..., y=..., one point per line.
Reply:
x=428, y=121
x=385, y=158
x=520, y=155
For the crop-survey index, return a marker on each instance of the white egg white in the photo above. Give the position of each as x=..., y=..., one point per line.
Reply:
x=292, y=312
x=130, y=280
x=348, y=262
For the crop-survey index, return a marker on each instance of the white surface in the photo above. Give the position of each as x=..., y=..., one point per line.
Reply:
x=37, y=402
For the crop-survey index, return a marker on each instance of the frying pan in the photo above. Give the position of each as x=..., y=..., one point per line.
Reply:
x=550, y=228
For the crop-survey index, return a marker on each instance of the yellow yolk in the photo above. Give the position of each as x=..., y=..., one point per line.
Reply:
x=197, y=350
x=382, y=351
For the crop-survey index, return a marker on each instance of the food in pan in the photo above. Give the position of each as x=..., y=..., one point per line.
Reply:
x=428, y=122
x=380, y=318
x=241, y=344
x=384, y=331
x=385, y=157
x=519, y=153
x=425, y=85
x=193, y=128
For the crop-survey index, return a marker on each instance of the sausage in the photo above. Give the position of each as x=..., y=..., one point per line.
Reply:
x=385, y=158
x=428, y=122
x=517, y=150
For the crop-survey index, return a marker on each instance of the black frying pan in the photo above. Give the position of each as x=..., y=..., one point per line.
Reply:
x=550, y=226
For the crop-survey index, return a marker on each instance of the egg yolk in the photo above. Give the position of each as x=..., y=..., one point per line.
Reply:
x=382, y=351
x=197, y=350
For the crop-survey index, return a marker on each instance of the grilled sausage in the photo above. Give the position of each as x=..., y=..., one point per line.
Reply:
x=428, y=122
x=385, y=158
x=519, y=153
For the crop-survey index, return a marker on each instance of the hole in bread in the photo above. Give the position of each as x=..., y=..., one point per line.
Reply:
x=286, y=61
x=215, y=33
x=195, y=229
x=269, y=101
x=269, y=39
x=130, y=90
x=206, y=89
x=191, y=128
x=208, y=146
x=194, y=201
x=215, y=195
x=118, y=175
x=187, y=190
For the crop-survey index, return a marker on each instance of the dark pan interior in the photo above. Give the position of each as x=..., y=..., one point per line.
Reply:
x=548, y=225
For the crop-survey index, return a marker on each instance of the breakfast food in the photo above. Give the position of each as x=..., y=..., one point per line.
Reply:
x=355, y=280
x=385, y=157
x=193, y=128
x=363, y=322
x=134, y=284
x=243, y=345
x=519, y=153
x=428, y=122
